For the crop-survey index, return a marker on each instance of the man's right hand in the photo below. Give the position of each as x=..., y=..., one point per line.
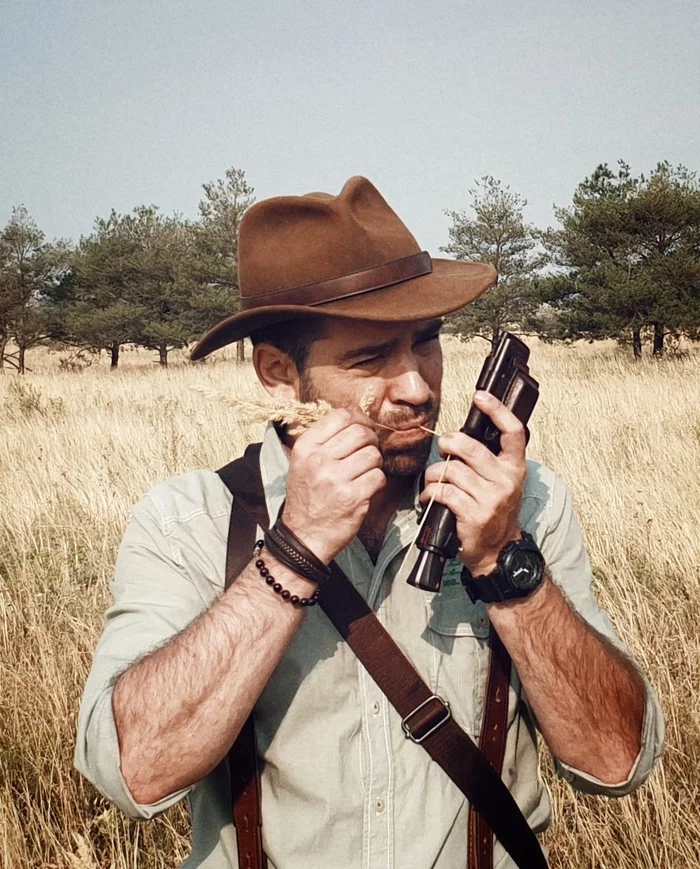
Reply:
x=209, y=676
x=335, y=469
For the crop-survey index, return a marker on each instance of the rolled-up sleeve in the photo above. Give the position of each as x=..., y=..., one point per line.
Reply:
x=567, y=559
x=153, y=601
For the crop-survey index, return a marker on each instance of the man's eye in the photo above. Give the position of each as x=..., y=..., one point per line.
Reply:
x=429, y=338
x=367, y=361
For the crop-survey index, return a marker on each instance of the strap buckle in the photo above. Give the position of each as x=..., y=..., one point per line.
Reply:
x=443, y=710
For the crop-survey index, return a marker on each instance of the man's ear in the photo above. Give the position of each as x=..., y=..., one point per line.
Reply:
x=276, y=371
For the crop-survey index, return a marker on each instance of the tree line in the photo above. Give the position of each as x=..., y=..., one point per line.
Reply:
x=142, y=278
x=624, y=263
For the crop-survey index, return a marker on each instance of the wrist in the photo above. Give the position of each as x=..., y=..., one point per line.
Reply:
x=317, y=546
x=487, y=563
x=518, y=573
x=483, y=567
x=523, y=607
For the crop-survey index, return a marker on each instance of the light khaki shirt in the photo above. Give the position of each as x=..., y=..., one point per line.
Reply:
x=342, y=787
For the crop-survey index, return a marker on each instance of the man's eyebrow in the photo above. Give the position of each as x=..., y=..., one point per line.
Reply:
x=368, y=350
x=386, y=346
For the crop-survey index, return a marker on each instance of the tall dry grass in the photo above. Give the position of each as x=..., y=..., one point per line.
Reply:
x=76, y=451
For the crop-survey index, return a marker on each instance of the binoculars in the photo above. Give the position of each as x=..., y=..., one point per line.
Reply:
x=504, y=374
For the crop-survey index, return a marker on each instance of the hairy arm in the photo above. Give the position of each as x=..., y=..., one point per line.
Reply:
x=204, y=681
x=178, y=710
x=588, y=697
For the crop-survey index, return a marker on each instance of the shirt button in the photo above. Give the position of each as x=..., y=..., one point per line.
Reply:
x=379, y=806
x=375, y=708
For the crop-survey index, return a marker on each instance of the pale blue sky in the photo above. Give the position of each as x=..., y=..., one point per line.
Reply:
x=113, y=103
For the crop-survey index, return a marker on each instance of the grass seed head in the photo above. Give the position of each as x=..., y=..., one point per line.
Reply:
x=298, y=415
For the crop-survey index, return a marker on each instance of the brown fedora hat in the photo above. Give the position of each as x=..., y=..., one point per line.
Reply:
x=347, y=256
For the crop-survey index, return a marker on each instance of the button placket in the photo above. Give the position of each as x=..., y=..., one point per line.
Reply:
x=379, y=806
x=381, y=774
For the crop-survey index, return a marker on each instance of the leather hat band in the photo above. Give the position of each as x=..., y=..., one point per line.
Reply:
x=323, y=292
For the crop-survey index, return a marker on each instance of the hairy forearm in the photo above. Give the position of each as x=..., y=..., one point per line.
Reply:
x=588, y=698
x=178, y=710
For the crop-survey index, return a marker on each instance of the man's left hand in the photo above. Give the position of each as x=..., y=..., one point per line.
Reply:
x=482, y=490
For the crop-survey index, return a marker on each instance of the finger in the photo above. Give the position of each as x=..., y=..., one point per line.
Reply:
x=455, y=499
x=513, y=440
x=459, y=474
x=370, y=483
x=332, y=423
x=472, y=453
x=351, y=439
x=360, y=462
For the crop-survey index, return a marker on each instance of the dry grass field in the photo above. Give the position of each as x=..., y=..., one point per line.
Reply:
x=77, y=449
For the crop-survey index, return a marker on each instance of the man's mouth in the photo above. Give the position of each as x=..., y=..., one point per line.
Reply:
x=406, y=425
x=408, y=434
x=415, y=425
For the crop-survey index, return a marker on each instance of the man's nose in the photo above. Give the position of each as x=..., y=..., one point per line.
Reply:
x=408, y=387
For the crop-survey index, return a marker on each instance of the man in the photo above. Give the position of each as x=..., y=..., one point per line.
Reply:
x=341, y=304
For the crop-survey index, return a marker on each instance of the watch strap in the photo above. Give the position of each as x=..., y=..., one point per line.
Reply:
x=489, y=589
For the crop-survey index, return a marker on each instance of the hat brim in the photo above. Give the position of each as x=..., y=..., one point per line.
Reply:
x=451, y=285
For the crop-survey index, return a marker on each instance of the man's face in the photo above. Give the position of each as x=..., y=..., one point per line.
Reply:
x=399, y=364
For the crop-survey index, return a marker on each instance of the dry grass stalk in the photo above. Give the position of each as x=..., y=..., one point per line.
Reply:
x=367, y=401
x=297, y=415
x=84, y=857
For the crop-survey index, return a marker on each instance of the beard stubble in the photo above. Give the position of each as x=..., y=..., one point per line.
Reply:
x=406, y=462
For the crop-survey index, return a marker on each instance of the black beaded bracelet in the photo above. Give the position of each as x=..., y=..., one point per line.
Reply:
x=284, y=593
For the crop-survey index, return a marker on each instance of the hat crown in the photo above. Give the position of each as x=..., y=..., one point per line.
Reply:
x=348, y=256
x=293, y=241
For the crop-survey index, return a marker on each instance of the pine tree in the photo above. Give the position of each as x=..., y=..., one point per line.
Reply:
x=29, y=269
x=496, y=233
x=216, y=244
x=99, y=297
x=629, y=258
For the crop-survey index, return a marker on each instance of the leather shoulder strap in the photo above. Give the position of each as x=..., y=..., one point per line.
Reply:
x=425, y=716
x=242, y=478
x=426, y=719
x=492, y=745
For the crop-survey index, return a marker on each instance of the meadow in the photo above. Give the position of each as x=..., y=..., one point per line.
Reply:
x=78, y=449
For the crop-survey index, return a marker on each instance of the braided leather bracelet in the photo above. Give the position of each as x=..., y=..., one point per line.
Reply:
x=286, y=532
x=287, y=548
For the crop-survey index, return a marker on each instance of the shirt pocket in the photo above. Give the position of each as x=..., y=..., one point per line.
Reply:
x=452, y=614
x=458, y=631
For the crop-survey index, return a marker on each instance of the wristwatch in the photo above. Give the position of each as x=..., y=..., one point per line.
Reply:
x=519, y=571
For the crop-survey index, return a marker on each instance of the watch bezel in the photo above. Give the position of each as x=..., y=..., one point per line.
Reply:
x=510, y=553
x=498, y=587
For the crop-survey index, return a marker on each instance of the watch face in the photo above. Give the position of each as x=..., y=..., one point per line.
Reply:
x=525, y=568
